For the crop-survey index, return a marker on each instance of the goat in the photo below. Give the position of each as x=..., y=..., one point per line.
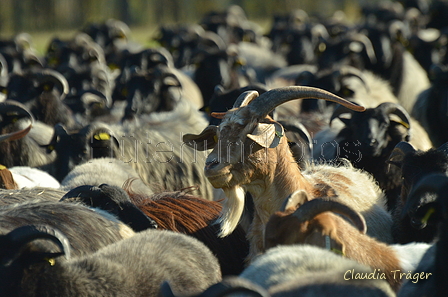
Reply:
x=311, y=266
x=87, y=229
x=182, y=212
x=314, y=223
x=249, y=153
x=132, y=267
x=367, y=139
x=416, y=219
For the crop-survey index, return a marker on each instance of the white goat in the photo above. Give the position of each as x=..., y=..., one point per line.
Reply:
x=250, y=154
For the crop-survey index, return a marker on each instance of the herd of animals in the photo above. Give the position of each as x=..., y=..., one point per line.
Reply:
x=309, y=160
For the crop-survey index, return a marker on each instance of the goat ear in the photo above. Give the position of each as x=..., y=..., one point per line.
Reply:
x=293, y=201
x=204, y=141
x=267, y=135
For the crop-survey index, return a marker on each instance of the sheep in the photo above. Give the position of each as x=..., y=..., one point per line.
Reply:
x=114, y=200
x=21, y=137
x=228, y=285
x=320, y=270
x=314, y=223
x=113, y=172
x=87, y=229
x=47, y=89
x=416, y=219
x=432, y=265
x=180, y=211
x=430, y=106
x=11, y=196
x=249, y=155
x=155, y=151
x=28, y=177
x=132, y=267
x=367, y=139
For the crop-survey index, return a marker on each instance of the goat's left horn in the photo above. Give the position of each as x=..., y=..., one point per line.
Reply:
x=398, y=110
x=265, y=103
x=317, y=206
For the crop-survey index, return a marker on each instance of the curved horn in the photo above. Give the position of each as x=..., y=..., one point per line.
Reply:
x=245, y=98
x=348, y=71
x=265, y=103
x=338, y=111
x=398, y=110
x=13, y=107
x=368, y=46
x=25, y=234
x=317, y=206
x=55, y=77
x=400, y=150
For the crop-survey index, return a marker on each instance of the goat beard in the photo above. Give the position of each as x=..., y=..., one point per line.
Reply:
x=232, y=209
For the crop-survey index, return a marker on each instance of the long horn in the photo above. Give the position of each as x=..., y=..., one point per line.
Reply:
x=265, y=103
x=55, y=77
x=349, y=71
x=398, y=110
x=317, y=206
x=12, y=107
x=20, y=236
x=338, y=111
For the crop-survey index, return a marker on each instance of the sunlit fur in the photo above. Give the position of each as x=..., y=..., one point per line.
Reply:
x=271, y=174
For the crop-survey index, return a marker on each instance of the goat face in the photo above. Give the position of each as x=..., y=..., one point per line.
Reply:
x=241, y=145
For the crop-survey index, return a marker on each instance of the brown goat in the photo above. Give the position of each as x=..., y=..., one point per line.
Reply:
x=184, y=213
x=315, y=223
x=250, y=154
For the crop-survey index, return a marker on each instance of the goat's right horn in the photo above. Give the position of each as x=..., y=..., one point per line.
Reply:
x=317, y=206
x=265, y=103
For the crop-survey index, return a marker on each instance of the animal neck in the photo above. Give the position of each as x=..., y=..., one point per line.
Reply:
x=282, y=178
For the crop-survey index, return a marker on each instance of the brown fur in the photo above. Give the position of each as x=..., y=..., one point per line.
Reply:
x=188, y=214
x=7, y=180
x=283, y=228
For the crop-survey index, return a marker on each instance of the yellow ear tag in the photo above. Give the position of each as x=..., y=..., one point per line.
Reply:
x=278, y=134
x=102, y=136
x=14, y=120
x=50, y=261
x=427, y=215
x=336, y=251
x=215, y=138
x=50, y=147
x=2, y=167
